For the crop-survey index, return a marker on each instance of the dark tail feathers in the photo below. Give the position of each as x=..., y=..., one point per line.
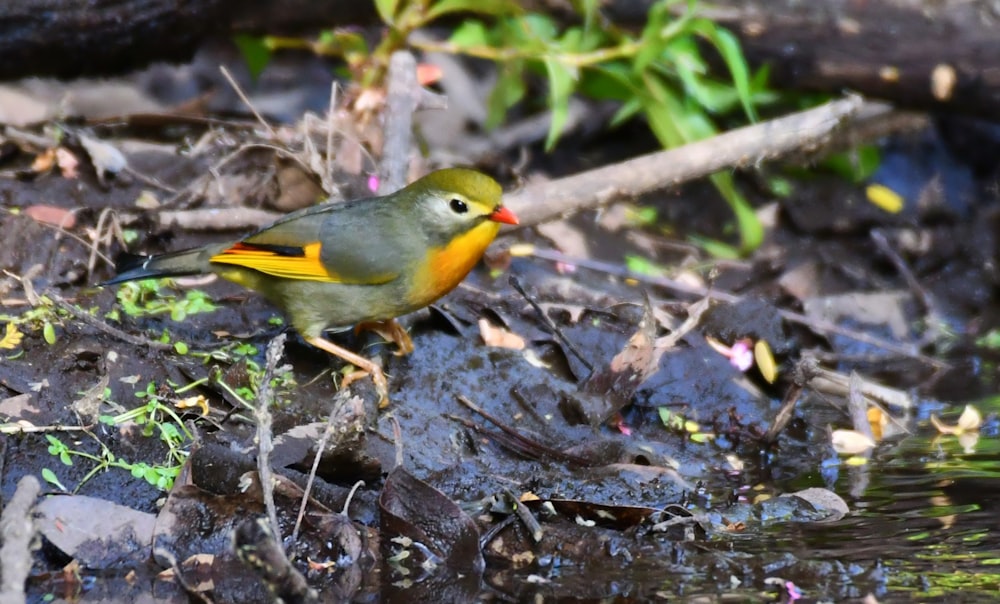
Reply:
x=174, y=264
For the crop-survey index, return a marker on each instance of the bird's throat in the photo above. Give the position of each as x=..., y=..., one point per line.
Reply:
x=447, y=265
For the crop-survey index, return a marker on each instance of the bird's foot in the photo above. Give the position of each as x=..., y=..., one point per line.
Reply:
x=391, y=331
x=365, y=367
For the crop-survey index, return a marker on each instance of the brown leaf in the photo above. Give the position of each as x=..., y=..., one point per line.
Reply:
x=59, y=217
x=499, y=337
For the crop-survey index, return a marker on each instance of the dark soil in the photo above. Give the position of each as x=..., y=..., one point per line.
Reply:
x=629, y=509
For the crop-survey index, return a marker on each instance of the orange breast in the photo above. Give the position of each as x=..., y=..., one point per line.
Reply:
x=445, y=267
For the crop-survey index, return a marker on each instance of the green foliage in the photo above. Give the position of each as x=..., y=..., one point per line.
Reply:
x=659, y=74
x=255, y=52
x=157, y=419
x=144, y=298
x=43, y=317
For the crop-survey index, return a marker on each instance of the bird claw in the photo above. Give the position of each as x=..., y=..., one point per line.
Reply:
x=391, y=331
x=364, y=366
x=378, y=378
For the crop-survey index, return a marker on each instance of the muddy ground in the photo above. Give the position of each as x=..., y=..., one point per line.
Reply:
x=615, y=454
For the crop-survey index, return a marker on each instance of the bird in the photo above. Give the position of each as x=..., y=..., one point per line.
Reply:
x=362, y=262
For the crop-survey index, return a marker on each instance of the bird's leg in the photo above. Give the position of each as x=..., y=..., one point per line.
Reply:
x=365, y=367
x=390, y=331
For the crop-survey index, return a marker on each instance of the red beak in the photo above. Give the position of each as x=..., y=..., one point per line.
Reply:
x=503, y=215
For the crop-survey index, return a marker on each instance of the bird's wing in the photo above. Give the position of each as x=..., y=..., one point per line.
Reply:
x=334, y=243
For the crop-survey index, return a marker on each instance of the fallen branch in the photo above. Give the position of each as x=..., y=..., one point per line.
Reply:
x=743, y=147
x=18, y=529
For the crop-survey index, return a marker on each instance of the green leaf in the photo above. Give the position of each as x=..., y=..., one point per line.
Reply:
x=561, y=83
x=482, y=7
x=857, y=165
x=50, y=477
x=255, y=51
x=643, y=266
x=509, y=91
x=729, y=47
x=716, y=249
x=387, y=10
x=49, y=333
x=180, y=348
x=470, y=34
x=539, y=27
x=652, y=40
x=751, y=230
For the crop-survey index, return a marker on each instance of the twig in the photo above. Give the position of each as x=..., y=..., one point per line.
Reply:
x=246, y=100
x=217, y=219
x=738, y=148
x=175, y=567
x=259, y=549
x=520, y=442
x=401, y=101
x=516, y=284
x=18, y=529
x=525, y=516
x=335, y=413
x=265, y=444
x=23, y=428
x=331, y=113
x=857, y=405
x=817, y=325
x=102, y=326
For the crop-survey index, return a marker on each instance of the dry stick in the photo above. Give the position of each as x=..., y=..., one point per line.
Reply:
x=217, y=219
x=520, y=440
x=335, y=413
x=175, y=567
x=525, y=516
x=102, y=326
x=516, y=284
x=882, y=242
x=265, y=444
x=327, y=177
x=260, y=550
x=743, y=147
x=246, y=101
x=401, y=101
x=18, y=529
x=817, y=325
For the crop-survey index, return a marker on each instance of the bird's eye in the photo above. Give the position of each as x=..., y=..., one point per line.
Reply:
x=458, y=206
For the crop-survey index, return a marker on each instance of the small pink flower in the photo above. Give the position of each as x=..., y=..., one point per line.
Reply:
x=794, y=593
x=741, y=355
x=373, y=183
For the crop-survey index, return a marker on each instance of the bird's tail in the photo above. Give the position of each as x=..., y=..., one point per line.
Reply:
x=174, y=264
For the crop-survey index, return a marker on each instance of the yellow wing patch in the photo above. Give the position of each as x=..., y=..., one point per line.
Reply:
x=305, y=264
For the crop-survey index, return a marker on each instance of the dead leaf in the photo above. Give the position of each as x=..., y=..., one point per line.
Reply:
x=44, y=161
x=850, y=442
x=105, y=158
x=765, y=361
x=970, y=421
x=59, y=217
x=499, y=337
x=67, y=162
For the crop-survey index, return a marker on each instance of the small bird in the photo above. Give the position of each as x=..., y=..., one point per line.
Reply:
x=362, y=262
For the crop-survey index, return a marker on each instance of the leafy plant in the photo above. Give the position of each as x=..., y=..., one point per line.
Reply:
x=660, y=73
x=144, y=298
x=157, y=420
x=42, y=317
